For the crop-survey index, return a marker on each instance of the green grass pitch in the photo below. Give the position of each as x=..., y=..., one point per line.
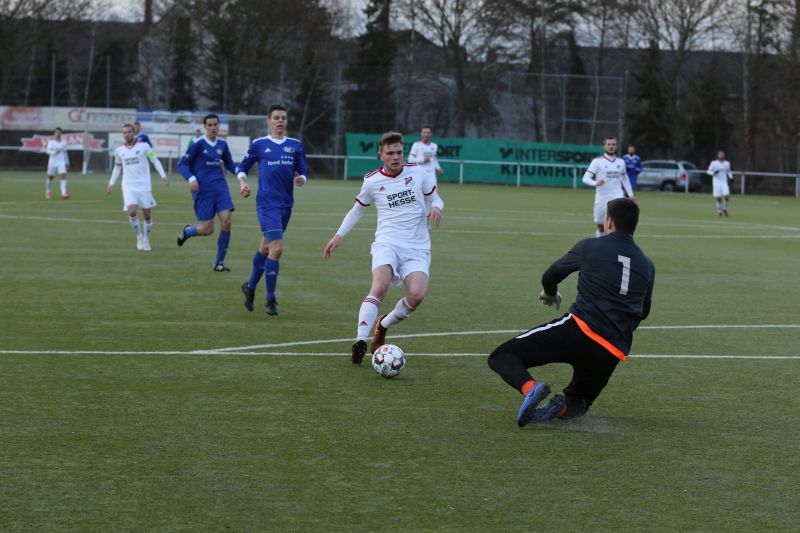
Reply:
x=137, y=393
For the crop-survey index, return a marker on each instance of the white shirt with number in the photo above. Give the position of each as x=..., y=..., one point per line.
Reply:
x=614, y=175
x=135, y=163
x=400, y=201
x=420, y=150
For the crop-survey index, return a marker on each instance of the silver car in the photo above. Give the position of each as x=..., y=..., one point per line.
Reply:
x=669, y=175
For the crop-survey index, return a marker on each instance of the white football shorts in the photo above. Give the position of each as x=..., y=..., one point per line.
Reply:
x=600, y=207
x=144, y=199
x=56, y=168
x=403, y=261
x=721, y=188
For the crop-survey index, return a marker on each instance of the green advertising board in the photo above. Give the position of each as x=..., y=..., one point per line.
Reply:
x=486, y=160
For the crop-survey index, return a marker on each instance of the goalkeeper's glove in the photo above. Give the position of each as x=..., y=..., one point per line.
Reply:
x=548, y=299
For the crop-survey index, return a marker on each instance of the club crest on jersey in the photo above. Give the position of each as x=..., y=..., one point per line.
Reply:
x=409, y=181
x=288, y=149
x=382, y=189
x=219, y=151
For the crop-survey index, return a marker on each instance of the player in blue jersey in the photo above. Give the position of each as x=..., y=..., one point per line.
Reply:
x=633, y=165
x=281, y=165
x=202, y=166
x=139, y=136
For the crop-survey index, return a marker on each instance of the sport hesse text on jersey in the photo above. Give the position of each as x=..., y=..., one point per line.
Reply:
x=401, y=198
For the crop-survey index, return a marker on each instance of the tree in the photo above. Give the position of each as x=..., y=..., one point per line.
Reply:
x=649, y=120
x=22, y=29
x=370, y=102
x=678, y=26
x=471, y=44
x=533, y=27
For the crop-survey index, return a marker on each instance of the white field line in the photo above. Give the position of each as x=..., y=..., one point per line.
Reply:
x=247, y=350
x=347, y=355
x=485, y=332
x=575, y=234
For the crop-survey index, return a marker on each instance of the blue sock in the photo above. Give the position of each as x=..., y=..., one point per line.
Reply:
x=192, y=231
x=258, y=270
x=271, y=272
x=222, y=246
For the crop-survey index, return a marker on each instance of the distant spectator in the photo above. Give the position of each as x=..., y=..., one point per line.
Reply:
x=197, y=134
x=633, y=165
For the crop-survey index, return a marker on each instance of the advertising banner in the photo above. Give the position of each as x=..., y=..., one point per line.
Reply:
x=558, y=163
x=66, y=118
x=75, y=141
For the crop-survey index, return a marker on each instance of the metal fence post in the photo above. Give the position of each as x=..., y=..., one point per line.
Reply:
x=345, y=168
x=461, y=173
x=742, y=185
x=519, y=174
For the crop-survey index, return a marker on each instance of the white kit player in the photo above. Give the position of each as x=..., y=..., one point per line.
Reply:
x=720, y=172
x=405, y=196
x=132, y=160
x=425, y=152
x=608, y=175
x=57, y=164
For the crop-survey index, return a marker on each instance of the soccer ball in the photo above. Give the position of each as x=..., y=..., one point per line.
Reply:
x=388, y=360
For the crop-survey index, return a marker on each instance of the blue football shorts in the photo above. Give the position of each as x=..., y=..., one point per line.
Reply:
x=273, y=221
x=208, y=204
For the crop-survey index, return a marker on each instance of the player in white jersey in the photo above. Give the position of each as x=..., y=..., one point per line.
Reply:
x=132, y=160
x=406, y=198
x=720, y=172
x=425, y=152
x=608, y=175
x=57, y=163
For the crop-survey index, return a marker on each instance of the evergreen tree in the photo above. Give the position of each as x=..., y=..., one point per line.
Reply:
x=649, y=119
x=370, y=104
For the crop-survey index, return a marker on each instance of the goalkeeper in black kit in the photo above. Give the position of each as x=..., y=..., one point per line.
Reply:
x=615, y=287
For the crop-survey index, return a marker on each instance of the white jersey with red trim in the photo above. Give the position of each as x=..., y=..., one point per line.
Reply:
x=57, y=150
x=400, y=201
x=134, y=161
x=720, y=170
x=614, y=175
x=419, y=151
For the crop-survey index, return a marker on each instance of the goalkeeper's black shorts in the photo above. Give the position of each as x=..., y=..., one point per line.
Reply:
x=563, y=340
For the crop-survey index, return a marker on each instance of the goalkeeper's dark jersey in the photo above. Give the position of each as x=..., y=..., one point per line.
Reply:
x=615, y=285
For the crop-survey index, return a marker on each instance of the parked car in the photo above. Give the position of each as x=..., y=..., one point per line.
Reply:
x=669, y=175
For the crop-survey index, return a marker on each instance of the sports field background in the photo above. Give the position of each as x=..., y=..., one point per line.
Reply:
x=137, y=393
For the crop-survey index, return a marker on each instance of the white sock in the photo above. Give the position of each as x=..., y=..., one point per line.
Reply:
x=148, y=228
x=48, y=184
x=400, y=312
x=724, y=205
x=134, y=220
x=63, y=187
x=366, y=317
